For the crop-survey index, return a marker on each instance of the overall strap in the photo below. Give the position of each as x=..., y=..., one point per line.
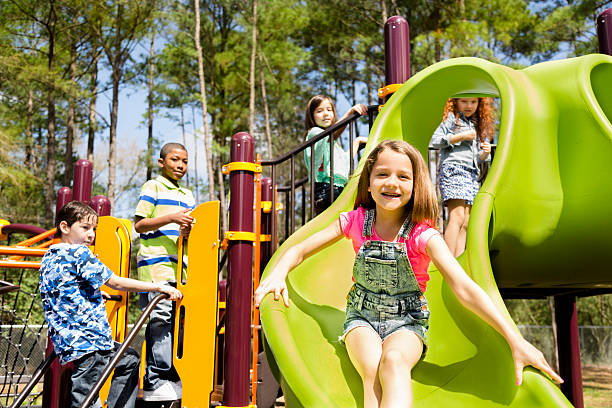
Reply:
x=406, y=228
x=368, y=223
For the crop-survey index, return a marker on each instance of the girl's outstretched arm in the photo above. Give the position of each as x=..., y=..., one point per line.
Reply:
x=474, y=298
x=359, y=108
x=275, y=281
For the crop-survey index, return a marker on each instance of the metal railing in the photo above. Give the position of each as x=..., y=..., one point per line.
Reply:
x=93, y=393
x=290, y=189
x=40, y=371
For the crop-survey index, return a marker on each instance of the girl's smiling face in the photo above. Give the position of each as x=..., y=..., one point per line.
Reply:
x=391, y=181
x=467, y=105
x=324, y=114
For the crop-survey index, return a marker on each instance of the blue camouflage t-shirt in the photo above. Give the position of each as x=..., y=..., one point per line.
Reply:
x=70, y=281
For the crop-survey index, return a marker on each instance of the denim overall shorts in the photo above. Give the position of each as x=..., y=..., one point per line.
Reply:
x=386, y=295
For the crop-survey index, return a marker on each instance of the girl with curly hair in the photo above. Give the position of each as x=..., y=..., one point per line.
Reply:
x=463, y=138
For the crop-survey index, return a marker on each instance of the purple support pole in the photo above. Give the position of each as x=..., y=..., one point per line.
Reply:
x=568, y=347
x=266, y=223
x=397, y=51
x=240, y=258
x=83, y=171
x=604, y=31
x=64, y=196
x=101, y=204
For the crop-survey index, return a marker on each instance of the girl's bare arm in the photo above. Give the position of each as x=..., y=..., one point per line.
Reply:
x=275, y=281
x=474, y=298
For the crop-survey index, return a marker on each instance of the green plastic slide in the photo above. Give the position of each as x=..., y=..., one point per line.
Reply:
x=540, y=214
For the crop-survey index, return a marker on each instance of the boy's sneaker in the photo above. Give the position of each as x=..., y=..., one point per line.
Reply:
x=168, y=391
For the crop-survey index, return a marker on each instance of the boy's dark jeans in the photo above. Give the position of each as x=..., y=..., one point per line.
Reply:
x=322, y=197
x=158, y=336
x=124, y=385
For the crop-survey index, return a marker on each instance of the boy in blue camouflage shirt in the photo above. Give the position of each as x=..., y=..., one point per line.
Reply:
x=70, y=281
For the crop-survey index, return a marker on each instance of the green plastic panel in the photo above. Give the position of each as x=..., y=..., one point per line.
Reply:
x=540, y=211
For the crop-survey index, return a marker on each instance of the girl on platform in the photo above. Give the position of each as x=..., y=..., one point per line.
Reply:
x=321, y=114
x=463, y=139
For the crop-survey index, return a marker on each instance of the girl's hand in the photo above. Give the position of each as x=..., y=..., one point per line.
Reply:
x=468, y=136
x=360, y=108
x=485, y=147
x=524, y=354
x=358, y=141
x=272, y=284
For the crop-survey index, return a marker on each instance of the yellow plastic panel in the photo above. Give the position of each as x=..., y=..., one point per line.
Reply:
x=195, y=362
x=112, y=247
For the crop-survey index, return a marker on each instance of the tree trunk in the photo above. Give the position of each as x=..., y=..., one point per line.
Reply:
x=28, y=130
x=551, y=307
x=264, y=98
x=149, y=159
x=383, y=9
x=117, y=73
x=207, y=147
x=222, y=196
x=71, y=129
x=184, y=139
x=50, y=188
x=93, y=96
x=395, y=9
x=252, y=73
x=195, y=155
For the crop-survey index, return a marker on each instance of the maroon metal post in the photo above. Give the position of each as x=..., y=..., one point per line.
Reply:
x=604, y=31
x=568, y=347
x=64, y=196
x=397, y=51
x=240, y=258
x=101, y=204
x=83, y=172
x=266, y=222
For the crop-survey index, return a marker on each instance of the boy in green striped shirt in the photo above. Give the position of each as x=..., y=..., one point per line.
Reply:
x=161, y=215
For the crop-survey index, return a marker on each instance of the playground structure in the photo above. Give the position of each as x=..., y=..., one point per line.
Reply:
x=526, y=256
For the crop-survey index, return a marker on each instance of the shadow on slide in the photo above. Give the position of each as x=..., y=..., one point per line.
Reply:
x=547, y=110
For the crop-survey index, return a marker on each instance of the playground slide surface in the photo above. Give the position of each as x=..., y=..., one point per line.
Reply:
x=555, y=120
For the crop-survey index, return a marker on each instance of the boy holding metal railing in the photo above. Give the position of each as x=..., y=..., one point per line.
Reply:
x=70, y=281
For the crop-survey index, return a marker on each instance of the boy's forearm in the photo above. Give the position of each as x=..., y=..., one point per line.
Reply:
x=151, y=224
x=131, y=285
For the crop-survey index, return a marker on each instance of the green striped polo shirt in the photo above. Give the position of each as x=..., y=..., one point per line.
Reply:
x=157, y=256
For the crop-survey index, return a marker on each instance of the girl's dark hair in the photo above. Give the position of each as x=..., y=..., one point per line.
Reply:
x=423, y=204
x=72, y=212
x=483, y=117
x=313, y=104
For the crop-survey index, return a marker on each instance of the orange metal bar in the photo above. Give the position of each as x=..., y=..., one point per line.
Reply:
x=256, y=262
x=12, y=250
x=20, y=264
x=45, y=244
x=37, y=238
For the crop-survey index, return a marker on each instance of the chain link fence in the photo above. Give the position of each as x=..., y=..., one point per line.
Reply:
x=595, y=343
x=22, y=350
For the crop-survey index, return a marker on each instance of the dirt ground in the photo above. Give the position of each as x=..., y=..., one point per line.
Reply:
x=597, y=386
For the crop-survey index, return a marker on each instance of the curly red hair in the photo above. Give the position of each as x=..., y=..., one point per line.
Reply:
x=484, y=116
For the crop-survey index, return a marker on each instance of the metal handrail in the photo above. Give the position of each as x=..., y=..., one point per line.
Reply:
x=291, y=154
x=93, y=393
x=40, y=371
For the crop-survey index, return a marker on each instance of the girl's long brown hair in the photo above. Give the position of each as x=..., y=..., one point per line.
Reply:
x=313, y=104
x=484, y=122
x=423, y=204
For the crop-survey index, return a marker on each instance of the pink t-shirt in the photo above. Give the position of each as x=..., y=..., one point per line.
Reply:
x=352, y=226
